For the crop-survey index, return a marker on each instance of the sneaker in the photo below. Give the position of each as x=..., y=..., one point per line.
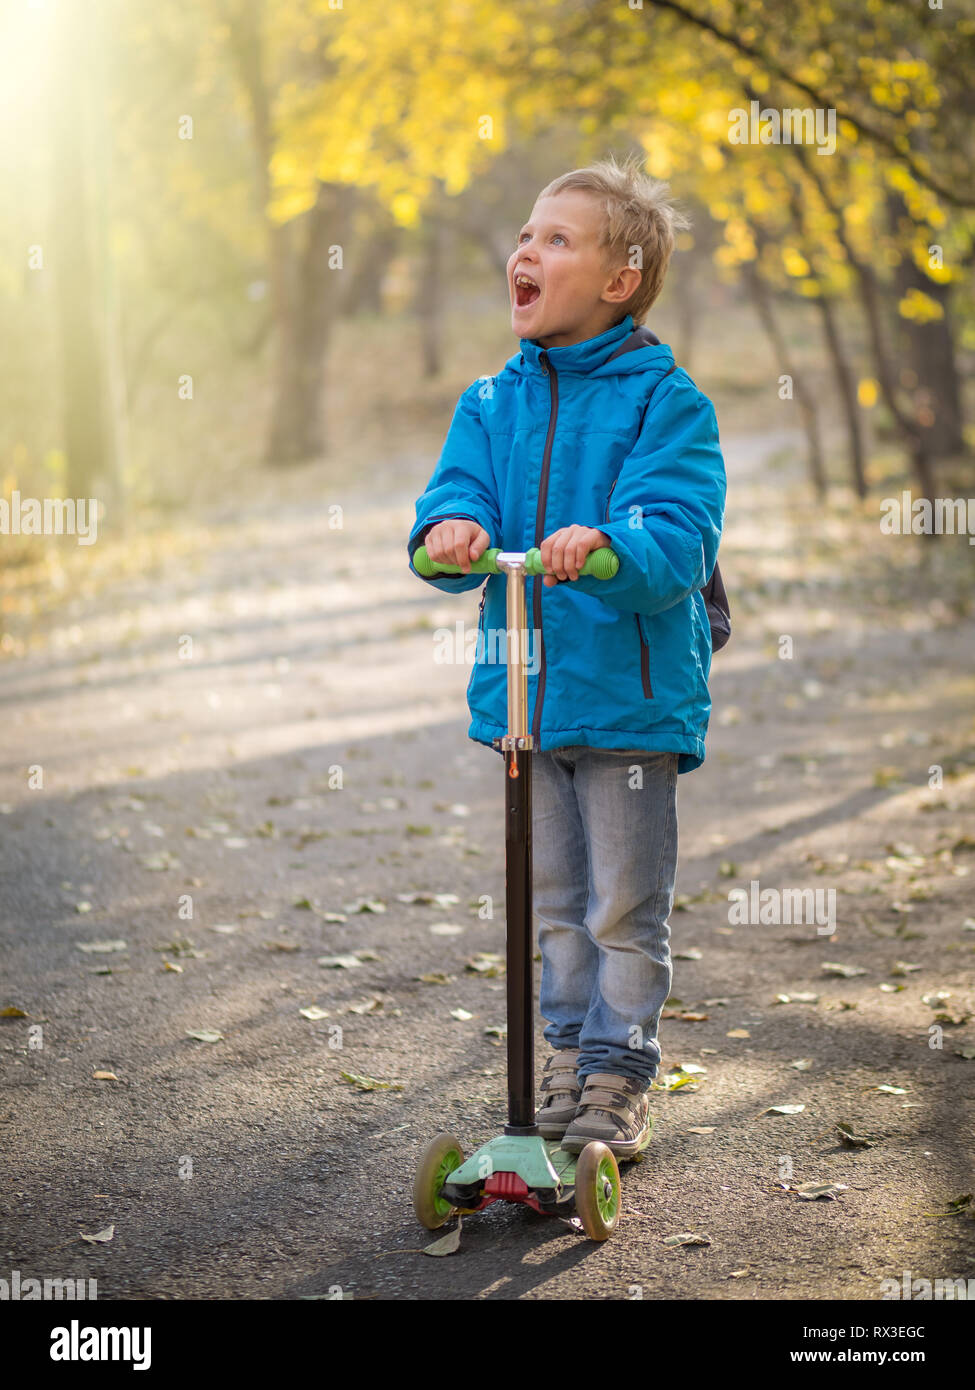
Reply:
x=562, y=1092
x=613, y=1109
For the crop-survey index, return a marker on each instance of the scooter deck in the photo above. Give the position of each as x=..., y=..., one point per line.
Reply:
x=520, y=1168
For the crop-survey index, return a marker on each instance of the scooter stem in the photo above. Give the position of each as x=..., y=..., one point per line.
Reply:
x=516, y=746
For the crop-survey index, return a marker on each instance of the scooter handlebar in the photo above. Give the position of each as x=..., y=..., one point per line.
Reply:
x=600, y=564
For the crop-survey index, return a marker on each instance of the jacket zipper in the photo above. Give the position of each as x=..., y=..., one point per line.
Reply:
x=539, y=537
x=644, y=648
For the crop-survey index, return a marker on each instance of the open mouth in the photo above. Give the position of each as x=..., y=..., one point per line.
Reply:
x=526, y=291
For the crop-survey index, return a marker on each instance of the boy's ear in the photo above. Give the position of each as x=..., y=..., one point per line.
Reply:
x=625, y=283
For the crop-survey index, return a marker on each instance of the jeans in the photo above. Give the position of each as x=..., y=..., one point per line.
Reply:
x=604, y=852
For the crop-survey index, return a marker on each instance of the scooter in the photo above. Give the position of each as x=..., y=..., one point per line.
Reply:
x=519, y=1165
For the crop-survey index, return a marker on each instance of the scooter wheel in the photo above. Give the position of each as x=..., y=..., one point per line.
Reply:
x=597, y=1185
x=440, y=1157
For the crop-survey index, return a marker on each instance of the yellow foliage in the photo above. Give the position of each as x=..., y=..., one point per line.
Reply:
x=867, y=392
x=795, y=263
x=919, y=307
x=406, y=209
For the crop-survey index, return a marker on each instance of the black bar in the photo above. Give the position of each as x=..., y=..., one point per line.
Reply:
x=518, y=905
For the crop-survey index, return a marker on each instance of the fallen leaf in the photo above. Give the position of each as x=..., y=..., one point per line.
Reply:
x=436, y=977
x=100, y=1237
x=367, y=1006
x=438, y=899
x=952, y=1020
x=738, y=1033
x=171, y=965
x=803, y=1064
x=314, y=1013
x=207, y=1035
x=890, y=1090
x=339, y=962
x=677, y=1079
x=104, y=1076
x=461, y=1014
x=691, y=953
x=446, y=929
x=810, y=1191
x=448, y=1244
x=370, y=1083
x=687, y=1238
x=935, y=999
x=158, y=862
x=487, y=963
x=102, y=947
x=851, y=1140
x=11, y=1011
x=783, y=1110
x=832, y=967
x=701, y=1129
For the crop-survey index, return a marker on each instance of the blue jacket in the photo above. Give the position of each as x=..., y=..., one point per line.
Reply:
x=564, y=436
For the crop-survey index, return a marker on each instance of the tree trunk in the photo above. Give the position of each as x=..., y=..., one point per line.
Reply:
x=847, y=391
x=871, y=298
x=298, y=414
x=433, y=279
x=807, y=410
x=927, y=346
x=78, y=257
x=305, y=290
x=363, y=294
x=687, y=312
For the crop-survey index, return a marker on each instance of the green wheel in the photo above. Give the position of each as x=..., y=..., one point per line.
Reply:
x=440, y=1158
x=598, y=1191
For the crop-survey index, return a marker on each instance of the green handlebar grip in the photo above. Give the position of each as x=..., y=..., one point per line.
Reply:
x=600, y=564
x=428, y=568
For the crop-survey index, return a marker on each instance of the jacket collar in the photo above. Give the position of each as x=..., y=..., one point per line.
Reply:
x=580, y=358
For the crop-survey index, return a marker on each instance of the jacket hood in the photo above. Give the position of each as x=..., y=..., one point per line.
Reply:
x=622, y=350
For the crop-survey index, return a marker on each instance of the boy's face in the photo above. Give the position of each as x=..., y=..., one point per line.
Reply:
x=578, y=297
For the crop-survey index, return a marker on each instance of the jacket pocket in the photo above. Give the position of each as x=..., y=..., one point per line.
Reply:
x=644, y=658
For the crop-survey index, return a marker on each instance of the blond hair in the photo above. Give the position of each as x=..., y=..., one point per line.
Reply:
x=637, y=213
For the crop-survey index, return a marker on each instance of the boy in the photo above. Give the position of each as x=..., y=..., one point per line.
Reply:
x=590, y=437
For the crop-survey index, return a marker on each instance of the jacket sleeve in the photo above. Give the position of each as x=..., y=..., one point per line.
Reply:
x=667, y=507
x=462, y=486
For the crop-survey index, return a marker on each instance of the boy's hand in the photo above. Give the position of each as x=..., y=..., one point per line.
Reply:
x=456, y=542
x=564, y=552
